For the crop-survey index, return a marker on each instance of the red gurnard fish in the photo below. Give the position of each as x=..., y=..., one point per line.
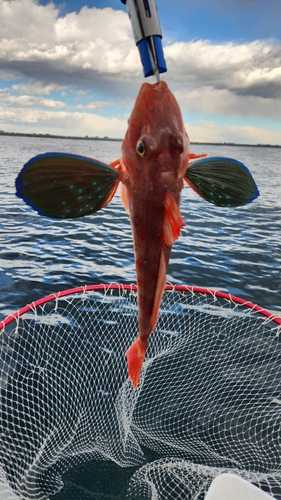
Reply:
x=155, y=154
x=155, y=161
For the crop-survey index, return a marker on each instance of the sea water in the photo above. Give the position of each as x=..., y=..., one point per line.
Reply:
x=237, y=249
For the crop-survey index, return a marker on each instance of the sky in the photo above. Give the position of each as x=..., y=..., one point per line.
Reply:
x=72, y=68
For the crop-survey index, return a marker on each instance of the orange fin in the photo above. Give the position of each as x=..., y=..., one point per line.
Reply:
x=124, y=198
x=161, y=282
x=116, y=164
x=173, y=221
x=135, y=357
x=191, y=156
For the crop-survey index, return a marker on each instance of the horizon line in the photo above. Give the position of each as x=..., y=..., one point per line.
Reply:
x=105, y=138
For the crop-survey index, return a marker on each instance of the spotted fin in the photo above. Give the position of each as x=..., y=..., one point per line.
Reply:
x=222, y=181
x=62, y=185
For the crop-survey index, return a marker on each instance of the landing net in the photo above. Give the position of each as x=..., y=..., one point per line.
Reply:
x=208, y=402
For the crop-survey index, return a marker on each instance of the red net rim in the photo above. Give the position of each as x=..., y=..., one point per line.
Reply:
x=178, y=288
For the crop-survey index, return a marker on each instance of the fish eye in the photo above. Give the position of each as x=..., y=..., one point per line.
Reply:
x=141, y=148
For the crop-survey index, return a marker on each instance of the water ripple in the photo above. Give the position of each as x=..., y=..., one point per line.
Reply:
x=230, y=249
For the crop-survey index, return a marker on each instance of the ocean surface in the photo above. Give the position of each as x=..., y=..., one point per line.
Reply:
x=235, y=250
x=238, y=250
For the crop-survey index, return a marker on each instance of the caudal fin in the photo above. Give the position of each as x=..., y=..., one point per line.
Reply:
x=135, y=357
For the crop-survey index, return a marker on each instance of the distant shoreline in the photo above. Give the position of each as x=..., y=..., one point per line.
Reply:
x=87, y=138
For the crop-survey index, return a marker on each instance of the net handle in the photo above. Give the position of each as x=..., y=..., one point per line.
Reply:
x=179, y=288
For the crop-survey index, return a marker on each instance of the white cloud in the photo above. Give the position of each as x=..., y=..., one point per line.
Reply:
x=227, y=79
x=61, y=122
x=25, y=19
x=97, y=105
x=7, y=75
x=251, y=69
x=83, y=123
x=210, y=131
x=91, y=55
x=246, y=134
x=223, y=102
x=37, y=88
x=32, y=33
x=7, y=100
x=98, y=43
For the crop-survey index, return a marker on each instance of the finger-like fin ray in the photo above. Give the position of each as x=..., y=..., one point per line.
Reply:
x=173, y=220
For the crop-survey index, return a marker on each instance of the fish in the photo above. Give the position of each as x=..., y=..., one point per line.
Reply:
x=155, y=164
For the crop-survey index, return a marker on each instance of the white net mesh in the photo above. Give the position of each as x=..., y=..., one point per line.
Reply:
x=208, y=401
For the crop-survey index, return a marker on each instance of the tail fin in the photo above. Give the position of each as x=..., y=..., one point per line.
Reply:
x=135, y=357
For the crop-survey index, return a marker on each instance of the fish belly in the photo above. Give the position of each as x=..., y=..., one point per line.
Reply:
x=147, y=213
x=151, y=261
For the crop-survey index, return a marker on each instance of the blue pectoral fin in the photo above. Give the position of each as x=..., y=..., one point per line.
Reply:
x=62, y=185
x=222, y=181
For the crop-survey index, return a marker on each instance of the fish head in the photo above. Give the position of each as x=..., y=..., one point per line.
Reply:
x=156, y=146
